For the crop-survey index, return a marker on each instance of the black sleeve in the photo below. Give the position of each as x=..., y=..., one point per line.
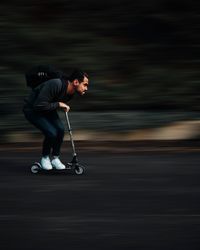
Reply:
x=46, y=99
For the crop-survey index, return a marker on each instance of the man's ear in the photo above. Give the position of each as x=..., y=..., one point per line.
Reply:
x=76, y=82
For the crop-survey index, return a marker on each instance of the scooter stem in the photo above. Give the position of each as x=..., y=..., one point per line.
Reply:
x=70, y=134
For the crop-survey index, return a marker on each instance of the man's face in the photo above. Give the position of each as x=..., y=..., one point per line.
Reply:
x=82, y=87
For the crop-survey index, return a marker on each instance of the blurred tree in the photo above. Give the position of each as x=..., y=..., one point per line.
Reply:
x=143, y=54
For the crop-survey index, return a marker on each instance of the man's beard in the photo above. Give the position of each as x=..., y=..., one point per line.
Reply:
x=81, y=93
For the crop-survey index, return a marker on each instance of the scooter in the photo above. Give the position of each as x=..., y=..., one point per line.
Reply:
x=73, y=166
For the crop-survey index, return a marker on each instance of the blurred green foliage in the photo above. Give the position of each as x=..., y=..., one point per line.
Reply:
x=139, y=54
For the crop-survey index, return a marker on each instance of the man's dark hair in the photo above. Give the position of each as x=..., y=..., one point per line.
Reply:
x=77, y=74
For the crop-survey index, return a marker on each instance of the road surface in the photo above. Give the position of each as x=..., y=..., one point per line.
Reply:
x=131, y=201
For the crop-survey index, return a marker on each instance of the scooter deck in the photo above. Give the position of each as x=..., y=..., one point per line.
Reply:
x=77, y=169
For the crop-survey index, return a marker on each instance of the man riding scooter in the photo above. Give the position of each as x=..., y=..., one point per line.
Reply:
x=40, y=109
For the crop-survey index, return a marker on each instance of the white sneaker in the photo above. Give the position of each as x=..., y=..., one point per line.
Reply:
x=46, y=163
x=57, y=164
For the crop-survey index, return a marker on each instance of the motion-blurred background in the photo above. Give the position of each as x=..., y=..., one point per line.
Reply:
x=142, y=56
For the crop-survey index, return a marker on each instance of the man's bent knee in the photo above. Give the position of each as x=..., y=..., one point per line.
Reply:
x=51, y=135
x=60, y=132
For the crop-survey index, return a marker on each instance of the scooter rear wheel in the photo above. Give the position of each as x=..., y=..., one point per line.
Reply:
x=35, y=169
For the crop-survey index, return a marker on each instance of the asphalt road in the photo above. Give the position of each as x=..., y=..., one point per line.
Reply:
x=124, y=201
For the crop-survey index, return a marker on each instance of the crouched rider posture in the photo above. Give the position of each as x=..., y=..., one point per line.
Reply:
x=40, y=110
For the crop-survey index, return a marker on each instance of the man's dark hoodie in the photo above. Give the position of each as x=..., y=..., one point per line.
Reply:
x=46, y=97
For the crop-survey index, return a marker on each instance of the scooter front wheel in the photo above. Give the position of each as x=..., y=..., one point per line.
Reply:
x=79, y=169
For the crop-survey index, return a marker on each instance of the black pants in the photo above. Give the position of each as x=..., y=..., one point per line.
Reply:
x=52, y=128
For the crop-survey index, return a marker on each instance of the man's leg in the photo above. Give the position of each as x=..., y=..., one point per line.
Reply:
x=60, y=130
x=58, y=125
x=46, y=127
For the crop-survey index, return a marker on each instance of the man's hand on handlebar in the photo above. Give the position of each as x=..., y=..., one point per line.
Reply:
x=64, y=106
